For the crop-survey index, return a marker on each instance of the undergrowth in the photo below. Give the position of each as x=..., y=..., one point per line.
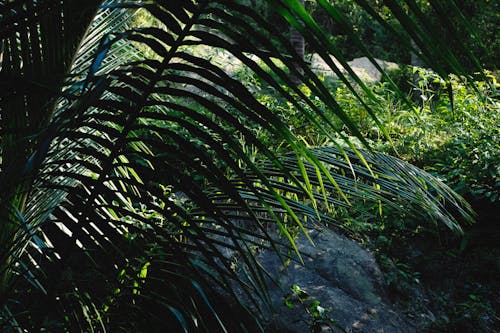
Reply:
x=451, y=130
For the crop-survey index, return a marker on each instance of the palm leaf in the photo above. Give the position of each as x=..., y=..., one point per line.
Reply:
x=141, y=189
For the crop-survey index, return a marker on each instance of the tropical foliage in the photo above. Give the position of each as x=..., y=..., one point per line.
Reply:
x=453, y=134
x=132, y=180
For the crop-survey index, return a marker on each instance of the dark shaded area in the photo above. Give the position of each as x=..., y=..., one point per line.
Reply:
x=451, y=281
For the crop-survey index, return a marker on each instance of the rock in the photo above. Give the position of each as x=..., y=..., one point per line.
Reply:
x=363, y=67
x=367, y=71
x=341, y=276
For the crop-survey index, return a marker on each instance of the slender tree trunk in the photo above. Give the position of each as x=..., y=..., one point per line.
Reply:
x=297, y=41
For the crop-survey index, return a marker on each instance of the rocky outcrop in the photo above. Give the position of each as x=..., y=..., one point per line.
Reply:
x=363, y=67
x=339, y=274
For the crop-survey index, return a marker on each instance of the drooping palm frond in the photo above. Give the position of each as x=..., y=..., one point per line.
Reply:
x=145, y=194
x=38, y=45
x=40, y=42
x=385, y=179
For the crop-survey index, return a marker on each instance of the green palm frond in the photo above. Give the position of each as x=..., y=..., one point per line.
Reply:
x=137, y=186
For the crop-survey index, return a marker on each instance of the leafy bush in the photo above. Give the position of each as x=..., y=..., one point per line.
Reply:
x=453, y=134
x=462, y=136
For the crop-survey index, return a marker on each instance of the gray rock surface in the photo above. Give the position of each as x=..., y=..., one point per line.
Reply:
x=341, y=275
x=363, y=67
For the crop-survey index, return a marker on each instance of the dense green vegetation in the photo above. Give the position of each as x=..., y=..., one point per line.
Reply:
x=453, y=134
x=144, y=166
x=457, y=141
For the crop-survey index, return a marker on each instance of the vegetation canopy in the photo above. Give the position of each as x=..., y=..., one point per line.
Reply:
x=139, y=176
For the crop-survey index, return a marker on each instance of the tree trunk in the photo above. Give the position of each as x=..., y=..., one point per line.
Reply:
x=297, y=41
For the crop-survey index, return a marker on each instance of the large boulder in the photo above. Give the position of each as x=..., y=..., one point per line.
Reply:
x=339, y=274
x=363, y=67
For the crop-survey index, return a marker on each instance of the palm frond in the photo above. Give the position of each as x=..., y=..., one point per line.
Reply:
x=145, y=193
